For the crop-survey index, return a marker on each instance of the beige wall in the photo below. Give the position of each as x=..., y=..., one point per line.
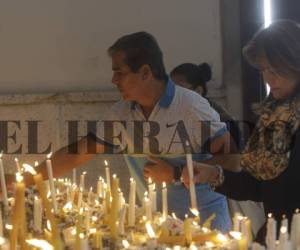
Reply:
x=60, y=45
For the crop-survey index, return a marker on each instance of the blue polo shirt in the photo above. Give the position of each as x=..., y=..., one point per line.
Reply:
x=179, y=112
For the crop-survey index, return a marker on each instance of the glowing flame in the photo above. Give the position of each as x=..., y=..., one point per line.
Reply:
x=149, y=180
x=193, y=247
x=49, y=155
x=36, y=163
x=283, y=230
x=114, y=176
x=19, y=177
x=194, y=211
x=105, y=163
x=73, y=232
x=29, y=168
x=42, y=244
x=236, y=235
x=81, y=236
x=164, y=185
x=93, y=230
x=209, y=244
x=49, y=225
x=68, y=206
x=297, y=211
x=1, y=154
x=222, y=238
x=126, y=244
x=150, y=230
x=8, y=226
x=174, y=216
x=269, y=215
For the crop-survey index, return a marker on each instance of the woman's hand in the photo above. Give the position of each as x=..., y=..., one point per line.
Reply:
x=203, y=173
x=158, y=170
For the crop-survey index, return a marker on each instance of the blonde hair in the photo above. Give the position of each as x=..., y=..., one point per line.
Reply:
x=279, y=46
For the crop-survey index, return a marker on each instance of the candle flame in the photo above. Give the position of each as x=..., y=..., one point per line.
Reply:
x=126, y=244
x=84, y=173
x=209, y=244
x=19, y=177
x=114, y=176
x=49, y=155
x=16, y=159
x=42, y=244
x=222, y=238
x=150, y=230
x=73, y=232
x=36, y=163
x=29, y=168
x=269, y=215
x=283, y=230
x=2, y=241
x=93, y=230
x=193, y=247
x=49, y=225
x=174, y=216
x=194, y=211
x=297, y=211
x=81, y=236
x=1, y=154
x=105, y=163
x=164, y=185
x=149, y=180
x=8, y=226
x=236, y=235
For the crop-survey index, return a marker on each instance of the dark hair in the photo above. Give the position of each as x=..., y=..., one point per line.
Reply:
x=279, y=46
x=196, y=75
x=141, y=48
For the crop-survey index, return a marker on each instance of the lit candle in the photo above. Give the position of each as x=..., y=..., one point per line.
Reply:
x=79, y=201
x=3, y=184
x=187, y=225
x=37, y=215
x=39, y=182
x=283, y=239
x=90, y=195
x=164, y=201
x=51, y=182
x=148, y=208
x=100, y=187
x=152, y=194
x=295, y=230
x=18, y=165
x=84, y=243
x=191, y=177
x=18, y=220
x=74, y=175
x=114, y=208
x=82, y=181
x=122, y=220
x=107, y=173
x=271, y=233
x=152, y=242
x=132, y=199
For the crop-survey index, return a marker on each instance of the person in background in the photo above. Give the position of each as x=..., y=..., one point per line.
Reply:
x=195, y=77
x=270, y=161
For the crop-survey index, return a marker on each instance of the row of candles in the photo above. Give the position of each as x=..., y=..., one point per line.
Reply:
x=114, y=203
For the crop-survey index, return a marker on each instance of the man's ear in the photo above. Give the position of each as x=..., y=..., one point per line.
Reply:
x=145, y=71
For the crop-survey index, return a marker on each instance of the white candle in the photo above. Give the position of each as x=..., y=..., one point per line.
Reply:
x=132, y=200
x=74, y=175
x=90, y=195
x=100, y=187
x=148, y=208
x=107, y=173
x=191, y=177
x=51, y=182
x=164, y=201
x=79, y=202
x=87, y=219
x=3, y=183
x=271, y=233
x=122, y=220
x=18, y=165
x=82, y=181
x=37, y=215
x=84, y=243
x=295, y=230
x=152, y=194
x=283, y=239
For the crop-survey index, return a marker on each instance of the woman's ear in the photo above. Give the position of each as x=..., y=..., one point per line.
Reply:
x=145, y=71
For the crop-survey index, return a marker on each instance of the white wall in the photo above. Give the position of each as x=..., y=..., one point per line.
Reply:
x=60, y=45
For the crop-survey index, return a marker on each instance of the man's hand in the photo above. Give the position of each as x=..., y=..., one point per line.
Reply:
x=203, y=173
x=158, y=170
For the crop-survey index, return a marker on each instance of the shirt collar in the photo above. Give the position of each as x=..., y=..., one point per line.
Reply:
x=167, y=97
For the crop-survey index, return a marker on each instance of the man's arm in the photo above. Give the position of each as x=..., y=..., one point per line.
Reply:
x=225, y=153
x=68, y=157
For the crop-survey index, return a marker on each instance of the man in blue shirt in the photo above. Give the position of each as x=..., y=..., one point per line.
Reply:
x=157, y=118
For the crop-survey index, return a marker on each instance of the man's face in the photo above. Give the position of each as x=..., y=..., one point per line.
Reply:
x=130, y=84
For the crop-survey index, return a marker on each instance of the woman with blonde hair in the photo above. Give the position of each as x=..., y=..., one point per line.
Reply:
x=270, y=161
